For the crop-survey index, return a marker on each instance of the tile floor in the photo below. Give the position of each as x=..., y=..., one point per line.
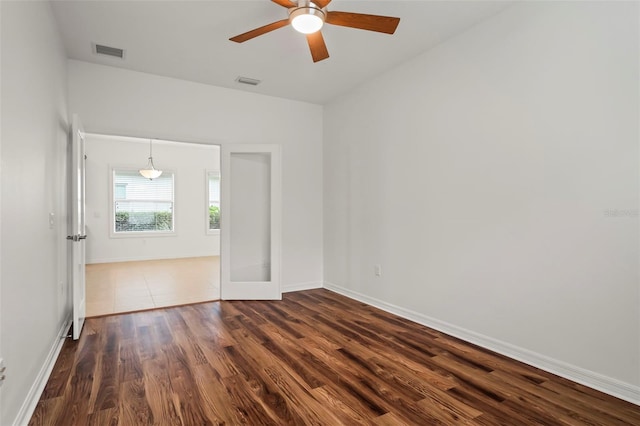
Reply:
x=133, y=286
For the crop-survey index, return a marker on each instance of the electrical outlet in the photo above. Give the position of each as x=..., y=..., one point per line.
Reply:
x=377, y=269
x=52, y=220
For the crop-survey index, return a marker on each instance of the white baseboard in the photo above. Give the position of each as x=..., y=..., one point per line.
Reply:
x=608, y=385
x=31, y=401
x=142, y=258
x=301, y=286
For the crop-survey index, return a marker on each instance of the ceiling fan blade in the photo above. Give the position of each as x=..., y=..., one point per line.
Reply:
x=321, y=3
x=381, y=24
x=318, y=47
x=259, y=31
x=285, y=3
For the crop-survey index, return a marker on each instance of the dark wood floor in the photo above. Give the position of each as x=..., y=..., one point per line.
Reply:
x=314, y=358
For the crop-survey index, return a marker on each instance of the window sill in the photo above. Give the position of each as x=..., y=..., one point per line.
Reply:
x=147, y=234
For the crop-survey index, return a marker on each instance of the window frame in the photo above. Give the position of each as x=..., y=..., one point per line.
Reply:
x=112, y=208
x=207, y=201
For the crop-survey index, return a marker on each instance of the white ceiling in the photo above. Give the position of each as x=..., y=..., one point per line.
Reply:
x=189, y=40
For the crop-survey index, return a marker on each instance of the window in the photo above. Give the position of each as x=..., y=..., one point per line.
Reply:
x=213, y=202
x=142, y=205
x=120, y=191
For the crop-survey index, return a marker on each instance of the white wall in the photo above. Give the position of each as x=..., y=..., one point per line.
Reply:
x=120, y=102
x=35, y=304
x=188, y=162
x=495, y=180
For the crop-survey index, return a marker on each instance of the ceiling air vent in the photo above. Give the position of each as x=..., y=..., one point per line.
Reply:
x=101, y=49
x=247, y=80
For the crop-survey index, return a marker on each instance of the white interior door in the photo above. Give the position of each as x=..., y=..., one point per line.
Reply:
x=77, y=232
x=250, y=222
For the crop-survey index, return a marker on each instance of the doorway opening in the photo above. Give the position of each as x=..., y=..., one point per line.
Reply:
x=151, y=243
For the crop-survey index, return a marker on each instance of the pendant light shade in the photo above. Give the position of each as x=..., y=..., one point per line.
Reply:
x=150, y=172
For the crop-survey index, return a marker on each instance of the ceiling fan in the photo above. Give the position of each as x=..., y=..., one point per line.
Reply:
x=308, y=17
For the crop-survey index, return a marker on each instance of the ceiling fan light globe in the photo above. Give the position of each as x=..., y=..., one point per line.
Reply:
x=307, y=20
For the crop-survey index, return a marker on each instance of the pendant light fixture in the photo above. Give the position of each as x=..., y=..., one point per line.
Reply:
x=150, y=172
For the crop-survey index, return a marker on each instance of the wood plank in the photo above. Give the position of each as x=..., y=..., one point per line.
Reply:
x=108, y=417
x=246, y=409
x=346, y=413
x=159, y=392
x=136, y=410
x=616, y=411
x=49, y=413
x=215, y=400
x=253, y=371
x=60, y=375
